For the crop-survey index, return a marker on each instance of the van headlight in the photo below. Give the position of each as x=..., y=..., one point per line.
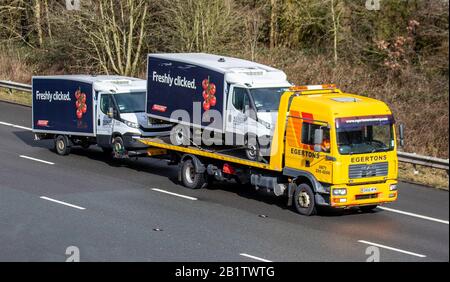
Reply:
x=393, y=187
x=131, y=124
x=265, y=123
x=339, y=191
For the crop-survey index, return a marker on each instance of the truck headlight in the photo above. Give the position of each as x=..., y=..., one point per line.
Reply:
x=393, y=187
x=339, y=191
x=131, y=124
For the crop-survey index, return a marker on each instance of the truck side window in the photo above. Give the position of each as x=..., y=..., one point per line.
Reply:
x=308, y=130
x=105, y=104
x=238, y=98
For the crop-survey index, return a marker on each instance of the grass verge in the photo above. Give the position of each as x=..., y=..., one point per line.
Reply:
x=19, y=97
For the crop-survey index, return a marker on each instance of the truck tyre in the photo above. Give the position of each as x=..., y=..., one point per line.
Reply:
x=190, y=178
x=304, y=200
x=62, y=145
x=179, y=135
x=367, y=208
x=252, y=150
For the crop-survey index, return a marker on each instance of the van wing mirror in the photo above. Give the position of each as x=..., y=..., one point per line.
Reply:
x=401, y=132
x=318, y=139
x=111, y=112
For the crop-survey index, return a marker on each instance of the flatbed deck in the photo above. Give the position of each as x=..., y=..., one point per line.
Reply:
x=232, y=155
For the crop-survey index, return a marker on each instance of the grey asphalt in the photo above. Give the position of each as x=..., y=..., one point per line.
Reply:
x=122, y=213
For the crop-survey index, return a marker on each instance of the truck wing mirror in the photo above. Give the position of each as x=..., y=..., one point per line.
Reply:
x=318, y=139
x=401, y=132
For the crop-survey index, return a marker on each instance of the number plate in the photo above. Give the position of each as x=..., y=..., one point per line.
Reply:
x=368, y=190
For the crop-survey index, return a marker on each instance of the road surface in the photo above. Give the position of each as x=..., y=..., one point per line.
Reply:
x=137, y=211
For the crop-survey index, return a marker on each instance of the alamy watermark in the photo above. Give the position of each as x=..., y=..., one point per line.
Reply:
x=73, y=5
x=373, y=5
x=72, y=254
x=373, y=254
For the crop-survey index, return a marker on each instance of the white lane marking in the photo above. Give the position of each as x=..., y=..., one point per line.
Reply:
x=256, y=258
x=62, y=203
x=392, y=249
x=175, y=194
x=415, y=215
x=36, y=160
x=15, y=125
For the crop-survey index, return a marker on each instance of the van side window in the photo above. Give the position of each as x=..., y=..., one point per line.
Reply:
x=238, y=98
x=105, y=104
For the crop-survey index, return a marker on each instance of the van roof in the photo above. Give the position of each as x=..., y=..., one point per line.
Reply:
x=89, y=78
x=237, y=70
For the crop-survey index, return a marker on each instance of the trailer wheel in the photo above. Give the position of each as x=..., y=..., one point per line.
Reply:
x=179, y=135
x=190, y=178
x=62, y=145
x=304, y=200
x=366, y=209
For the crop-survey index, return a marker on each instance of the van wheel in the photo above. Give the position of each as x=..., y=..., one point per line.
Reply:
x=118, y=146
x=366, y=209
x=190, y=178
x=62, y=145
x=252, y=150
x=179, y=135
x=304, y=200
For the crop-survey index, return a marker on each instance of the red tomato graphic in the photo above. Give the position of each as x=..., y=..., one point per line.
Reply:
x=79, y=114
x=83, y=98
x=205, y=84
x=212, y=101
x=83, y=108
x=77, y=94
x=206, y=106
x=212, y=89
x=205, y=95
x=77, y=104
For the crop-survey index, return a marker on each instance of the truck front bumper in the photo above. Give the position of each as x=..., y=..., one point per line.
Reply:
x=364, y=194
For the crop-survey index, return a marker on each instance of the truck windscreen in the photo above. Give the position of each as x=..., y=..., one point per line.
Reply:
x=267, y=99
x=130, y=102
x=361, y=135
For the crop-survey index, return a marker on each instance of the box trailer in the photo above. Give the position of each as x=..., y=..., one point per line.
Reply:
x=225, y=95
x=84, y=110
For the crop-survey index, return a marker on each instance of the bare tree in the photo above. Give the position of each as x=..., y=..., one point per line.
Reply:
x=115, y=31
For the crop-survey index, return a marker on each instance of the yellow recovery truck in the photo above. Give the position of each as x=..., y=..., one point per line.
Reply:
x=329, y=148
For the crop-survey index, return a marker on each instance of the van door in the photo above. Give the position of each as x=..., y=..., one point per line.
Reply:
x=240, y=114
x=105, y=120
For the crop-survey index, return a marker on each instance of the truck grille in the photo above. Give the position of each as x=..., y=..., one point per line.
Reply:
x=365, y=197
x=367, y=170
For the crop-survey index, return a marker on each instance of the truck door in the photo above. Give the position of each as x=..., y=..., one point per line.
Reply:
x=318, y=163
x=105, y=120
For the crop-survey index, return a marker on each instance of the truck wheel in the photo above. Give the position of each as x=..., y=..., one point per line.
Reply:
x=367, y=208
x=62, y=145
x=304, y=200
x=252, y=151
x=179, y=135
x=190, y=178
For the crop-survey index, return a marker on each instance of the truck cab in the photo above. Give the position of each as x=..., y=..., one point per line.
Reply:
x=343, y=146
